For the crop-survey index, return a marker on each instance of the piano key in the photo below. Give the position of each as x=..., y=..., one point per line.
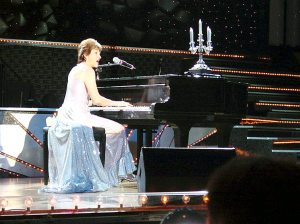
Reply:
x=133, y=109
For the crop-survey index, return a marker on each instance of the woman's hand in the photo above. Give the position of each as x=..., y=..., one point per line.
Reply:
x=122, y=104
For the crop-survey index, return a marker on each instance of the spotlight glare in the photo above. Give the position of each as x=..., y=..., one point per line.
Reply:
x=76, y=201
x=164, y=199
x=28, y=202
x=121, y=200
x=143, y=199
x=186, y=199
x=3, y=203
x=52, y=202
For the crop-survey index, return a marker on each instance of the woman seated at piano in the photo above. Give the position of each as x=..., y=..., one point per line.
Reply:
x=74, y=164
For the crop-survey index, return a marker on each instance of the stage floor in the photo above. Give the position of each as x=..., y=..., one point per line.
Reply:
x=16, y=190
x=122, y=204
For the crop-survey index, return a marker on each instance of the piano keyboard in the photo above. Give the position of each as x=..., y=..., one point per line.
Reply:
x=129, y=109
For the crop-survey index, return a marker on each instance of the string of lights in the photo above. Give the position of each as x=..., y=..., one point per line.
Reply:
x=27, y=164
x=197, y=200
x=12, y=173
x=214, y=131
x=287, y=105
x=116, y=48
x=265, y=88
x=256, y=121
x=36, y=139
x=289, y=75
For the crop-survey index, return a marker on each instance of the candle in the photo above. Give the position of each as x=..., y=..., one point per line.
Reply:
x=208, y=34
x=200, y=27
x=191, y=35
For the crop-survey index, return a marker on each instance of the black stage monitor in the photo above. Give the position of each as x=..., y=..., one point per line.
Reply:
x=179, y=169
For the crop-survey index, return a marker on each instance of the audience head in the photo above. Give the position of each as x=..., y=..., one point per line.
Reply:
x=254, y=190
x=183, y=216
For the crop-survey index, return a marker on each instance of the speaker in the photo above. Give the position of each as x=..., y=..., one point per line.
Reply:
x=179, y=169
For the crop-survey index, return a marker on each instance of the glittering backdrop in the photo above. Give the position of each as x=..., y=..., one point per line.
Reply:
x=237, y=25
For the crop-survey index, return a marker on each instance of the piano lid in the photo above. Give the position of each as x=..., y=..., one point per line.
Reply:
x=136, y=80
x=140, y=90
x=204, y=95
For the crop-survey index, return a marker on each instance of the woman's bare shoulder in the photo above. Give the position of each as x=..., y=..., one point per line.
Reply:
x=82, y=72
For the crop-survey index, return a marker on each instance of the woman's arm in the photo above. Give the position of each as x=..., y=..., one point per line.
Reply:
x=97, y=99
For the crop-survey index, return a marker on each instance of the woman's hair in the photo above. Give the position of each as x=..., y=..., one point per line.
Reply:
x=85, y=48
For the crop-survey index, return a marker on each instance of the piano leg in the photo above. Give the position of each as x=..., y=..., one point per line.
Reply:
x=148, y=137
x=140, y=139
x=139, y=142
x=181, y=135
x=223, y=133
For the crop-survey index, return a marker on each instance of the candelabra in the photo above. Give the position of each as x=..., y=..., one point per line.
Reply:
x=200, y=65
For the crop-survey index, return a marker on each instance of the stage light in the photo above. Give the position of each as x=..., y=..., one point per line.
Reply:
x=121, y=200
x=52, y=202
x=28, y=202
x=99, y=201
x=205, y=199
x=76, y=201
x=3, y=204
x=143, y=199
x=186, y=199
x=164, y=199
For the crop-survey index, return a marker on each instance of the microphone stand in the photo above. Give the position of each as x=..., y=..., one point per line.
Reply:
x=99, y=68
x=107, y=65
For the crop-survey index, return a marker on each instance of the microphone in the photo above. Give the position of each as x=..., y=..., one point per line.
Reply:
x=123, y=63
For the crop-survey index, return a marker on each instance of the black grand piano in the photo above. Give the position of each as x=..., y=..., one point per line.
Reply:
x=180, y=101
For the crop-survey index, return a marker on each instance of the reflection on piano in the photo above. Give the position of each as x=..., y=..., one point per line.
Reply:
x=181, y=101
x=203, y=102
x=140, y=90
x=138, y=117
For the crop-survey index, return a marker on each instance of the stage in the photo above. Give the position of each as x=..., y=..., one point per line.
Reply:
x=20, y=201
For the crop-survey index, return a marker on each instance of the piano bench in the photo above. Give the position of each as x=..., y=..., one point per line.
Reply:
x=99, y=135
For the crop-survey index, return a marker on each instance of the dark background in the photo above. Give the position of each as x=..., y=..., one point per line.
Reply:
x=268, y=28
x=237, y=25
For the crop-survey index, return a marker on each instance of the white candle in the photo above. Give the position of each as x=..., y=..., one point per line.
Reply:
x=208, y=34
x=200, y=27
x=191, y=35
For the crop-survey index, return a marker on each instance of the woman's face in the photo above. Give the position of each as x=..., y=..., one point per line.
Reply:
x=93, y=58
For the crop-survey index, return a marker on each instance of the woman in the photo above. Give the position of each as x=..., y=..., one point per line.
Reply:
x=74, y=165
